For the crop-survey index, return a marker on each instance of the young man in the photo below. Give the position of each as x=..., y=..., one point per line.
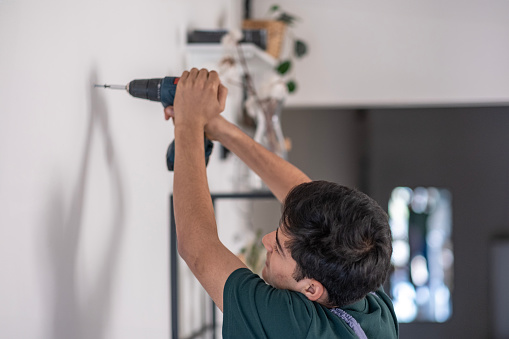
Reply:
x=326, y=261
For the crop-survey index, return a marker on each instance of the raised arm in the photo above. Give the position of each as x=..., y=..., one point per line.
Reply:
x=199, y=97
x=279, y=175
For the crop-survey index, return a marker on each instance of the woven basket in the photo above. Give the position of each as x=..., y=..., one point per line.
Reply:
x=275, y=33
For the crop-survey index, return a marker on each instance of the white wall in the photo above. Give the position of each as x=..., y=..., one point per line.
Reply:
x=83, y=185
x=400, y=52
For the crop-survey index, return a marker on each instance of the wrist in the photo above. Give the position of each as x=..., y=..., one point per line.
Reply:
x=216, y=128
x=228, y=134
x=189, y=125
x=187, y=134
x=188, y=140
x=222, y=130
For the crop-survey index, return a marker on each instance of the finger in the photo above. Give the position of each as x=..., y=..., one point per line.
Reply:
x=213, y=76
x=193, y=74
x=184, y=76
x=169, y=112
x=203, y=75
x=214, y=79
x=222, y=93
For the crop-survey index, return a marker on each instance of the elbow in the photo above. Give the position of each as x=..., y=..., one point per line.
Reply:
x=304, y=178
x=187, y=254
x=183, y=250
x=194, y=250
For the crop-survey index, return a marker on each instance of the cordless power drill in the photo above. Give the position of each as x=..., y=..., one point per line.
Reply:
x=163, y=91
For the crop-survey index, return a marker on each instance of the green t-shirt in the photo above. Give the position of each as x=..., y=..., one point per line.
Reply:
x=253, y=309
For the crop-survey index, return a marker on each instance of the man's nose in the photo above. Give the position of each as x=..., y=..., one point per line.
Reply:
x=266, y=241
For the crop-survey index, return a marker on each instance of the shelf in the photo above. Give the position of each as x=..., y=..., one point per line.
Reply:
x=199, y=54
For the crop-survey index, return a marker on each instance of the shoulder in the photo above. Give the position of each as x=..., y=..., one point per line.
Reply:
x=387, y=308
x=245, y=289
x=375, y=314
x=253, y=309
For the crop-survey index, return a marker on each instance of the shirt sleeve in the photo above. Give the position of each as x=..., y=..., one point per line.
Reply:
x=253, y=309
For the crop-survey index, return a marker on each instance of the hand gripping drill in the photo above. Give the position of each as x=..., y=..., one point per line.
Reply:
x=163, y=91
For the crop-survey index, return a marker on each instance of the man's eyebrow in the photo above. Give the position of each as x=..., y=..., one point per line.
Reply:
x=279, y=244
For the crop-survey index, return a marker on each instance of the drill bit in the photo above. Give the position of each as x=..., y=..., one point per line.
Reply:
x=112, y=86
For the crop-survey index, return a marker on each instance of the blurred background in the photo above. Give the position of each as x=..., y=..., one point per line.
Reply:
x=407, y=101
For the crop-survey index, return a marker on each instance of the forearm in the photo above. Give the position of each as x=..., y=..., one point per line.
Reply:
x=194, y=214
x=279, y=175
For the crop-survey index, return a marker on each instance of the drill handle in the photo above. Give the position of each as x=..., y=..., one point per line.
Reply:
x=170, y=154
x=167, y=97
x=167, y=91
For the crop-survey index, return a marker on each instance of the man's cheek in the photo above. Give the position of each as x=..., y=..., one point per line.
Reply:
x=265, y=275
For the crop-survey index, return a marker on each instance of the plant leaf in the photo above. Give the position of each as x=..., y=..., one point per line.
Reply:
x=283, y=67
x=287, y=19
x=292, y=86
x=274, y=8
x=300, y=48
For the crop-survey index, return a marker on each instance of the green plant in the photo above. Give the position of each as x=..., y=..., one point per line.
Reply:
x=298, y=50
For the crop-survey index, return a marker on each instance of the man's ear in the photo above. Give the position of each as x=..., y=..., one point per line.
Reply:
x=314, y=290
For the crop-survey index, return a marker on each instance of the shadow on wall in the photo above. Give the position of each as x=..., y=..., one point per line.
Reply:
x=74, y=317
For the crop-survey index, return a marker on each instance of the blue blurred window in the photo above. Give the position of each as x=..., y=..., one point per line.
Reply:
x=422, y=281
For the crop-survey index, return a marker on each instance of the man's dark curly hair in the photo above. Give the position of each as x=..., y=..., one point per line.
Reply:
x=339, y=237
